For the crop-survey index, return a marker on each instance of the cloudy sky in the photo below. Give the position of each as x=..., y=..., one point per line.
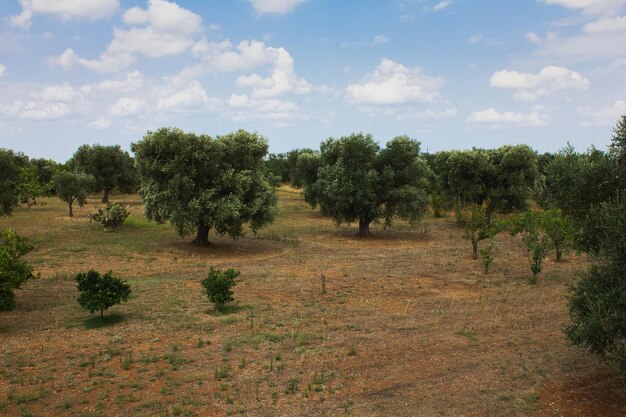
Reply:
x=451, y=73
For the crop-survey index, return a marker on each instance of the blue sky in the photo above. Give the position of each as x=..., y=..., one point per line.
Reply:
x=452, y=73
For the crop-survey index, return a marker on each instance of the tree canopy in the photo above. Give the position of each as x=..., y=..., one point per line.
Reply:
x=198, y=183
x=111, y=167
x=12, y=167
x=353, y=180
x=73, y=187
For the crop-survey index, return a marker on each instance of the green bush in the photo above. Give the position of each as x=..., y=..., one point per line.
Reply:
x=534, y=240
x=98, y=293
x=218, y=286
x=487, y=255
x=111, y=216
x=14, y=271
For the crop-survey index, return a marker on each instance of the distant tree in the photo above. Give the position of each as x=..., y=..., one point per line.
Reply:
x=198, y=183
x=29, y=188
x=356, y=181
x=14, y=271
x=284, y=165
x=72, y=187
x=618, y=145
x=477, y=226
x=99, y=292
x=111, y=167
x=12, y=167
x=45, y=170
x=597, y=303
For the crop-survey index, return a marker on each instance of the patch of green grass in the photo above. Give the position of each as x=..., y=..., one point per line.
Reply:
x=467, y=334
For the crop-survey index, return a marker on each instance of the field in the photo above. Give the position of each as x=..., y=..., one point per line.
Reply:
x=408, y=326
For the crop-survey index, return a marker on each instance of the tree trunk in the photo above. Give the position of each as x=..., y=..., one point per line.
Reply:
x=202, y=236
x=105, y=197
x=101, y=313
x=364, y=227
x=475, y=248
x=559, y=252
x=70, y=211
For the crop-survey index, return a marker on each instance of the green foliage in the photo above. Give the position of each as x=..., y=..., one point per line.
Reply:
x=111, y=216
x=200, y=183
x=500, y=179
x=284, y=166
x=618, y=146
x=559, y=228
x=352, y=179
x=29, y=188
x=111, y=167
x=14, y=271
x=44, y=171
x=476, y=224
x=99, y=292
x=12, y=167
x=218, y=286
x=438, y=204
x=72, y=187
x=487, y=255
x=597, y=303
x=535, y=241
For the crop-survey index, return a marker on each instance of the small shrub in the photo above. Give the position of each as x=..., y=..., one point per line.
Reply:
x=218, y=286
x=14, y=271
x=111, y=215
x=98, y=293
x=487, y=255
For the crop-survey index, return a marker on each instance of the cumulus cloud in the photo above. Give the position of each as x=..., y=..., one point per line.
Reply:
x=60, y=93
x=603, y=116
x=34, y=110
x=274, y=6
x=100, y=123
x=163, y=29
x=393, y=83
x=492, y=118
x=589, y=6
x=127, y=106
x=441, y=5
x=65, y=9
x=281, y=113
x=532, y=37
x=609, y=24
x=190, y=99
x=530, y=86
x=3, y=70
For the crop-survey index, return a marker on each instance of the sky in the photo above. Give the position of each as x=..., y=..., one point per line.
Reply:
x=453, y=74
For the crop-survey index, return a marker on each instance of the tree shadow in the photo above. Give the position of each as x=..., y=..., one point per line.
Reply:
x=98, y=322
x=228, y=309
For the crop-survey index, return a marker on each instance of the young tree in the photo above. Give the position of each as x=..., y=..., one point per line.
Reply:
x=535, y=241
x=98, y=293
x=559, y=228
x=12, y=167
x=111, y=167
x=14, y=271
x=73, y=187
x=356, y=181
x=597, y=303
x=198, y=183
x=218, y=286
x=476, y=225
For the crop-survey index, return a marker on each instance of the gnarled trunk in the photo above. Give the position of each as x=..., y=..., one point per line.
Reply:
x=559, y=252
x=105, y=197
x=202, y=236
x=364, y=227
x=70, y=212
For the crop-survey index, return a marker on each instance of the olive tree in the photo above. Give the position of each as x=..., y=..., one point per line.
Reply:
x=12, y=168
x=198, y=183
x=72, y=187
x=111, y=167
x=356, y=181
x=14, y=271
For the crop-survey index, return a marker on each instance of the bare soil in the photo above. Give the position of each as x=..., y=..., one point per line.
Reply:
x=409, y=325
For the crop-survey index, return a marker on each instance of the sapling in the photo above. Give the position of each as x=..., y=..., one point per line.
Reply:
x=218, y=286
x=99, y=292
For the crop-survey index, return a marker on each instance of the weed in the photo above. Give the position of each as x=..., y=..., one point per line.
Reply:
x=292, y=386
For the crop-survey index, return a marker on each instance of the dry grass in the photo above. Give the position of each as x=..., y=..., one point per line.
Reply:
x=409, y=325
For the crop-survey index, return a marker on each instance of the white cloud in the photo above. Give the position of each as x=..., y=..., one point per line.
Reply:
x=393, y=83
x=492, y=118
x=609, y=24
x=100, y=123
x=532, y=37
x=475, y=38
x=604, y=116
x=531, y=86
x=282, y=113
x=380, y=39
x=134, y=81
x=589, y=6
x=192, y=98
x=224, y=57
x=164, y=16
x=168, y=30
x=583, y=47
x=44, y=111
x=65, y=9
x=274, y=6
x=57, y=93
x=441, y=5
x=3, y=70
x=127, y=106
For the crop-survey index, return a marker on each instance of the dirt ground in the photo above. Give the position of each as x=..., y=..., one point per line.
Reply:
x=409, y=325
